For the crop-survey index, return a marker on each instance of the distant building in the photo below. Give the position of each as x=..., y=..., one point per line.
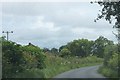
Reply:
x=30, y=44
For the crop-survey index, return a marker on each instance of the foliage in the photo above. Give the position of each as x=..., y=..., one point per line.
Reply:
x=65, y=52
x=18, y=59
x=113, y=62
x=30, y=61
x=62, y=47
x=81, y=47
x=56, y=65
x=54, y=50
x=12, y=58
x=99, y=46
x=45, y=50
x=84, y=47
x=108, y=52
x=110, y=11
x=110, y=63
x=32, y=73
x=0, y=50
x=111, y=70
x=34, y=54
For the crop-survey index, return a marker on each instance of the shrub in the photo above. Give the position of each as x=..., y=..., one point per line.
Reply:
x=12, y=58
x=17, y=59
x=34, y=54
x=111, y=69
x=113, y=62
x=65, y=52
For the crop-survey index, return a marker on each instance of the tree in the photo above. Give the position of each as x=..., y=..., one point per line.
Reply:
x=46, y=50
x=34, y=56
x=80, y=47
x=108, y=52
x=62, y=48
x=65, y=52
x=54, y=50
x=18, y=59
x=111, y=11
x=99, y=46
x=12, y=58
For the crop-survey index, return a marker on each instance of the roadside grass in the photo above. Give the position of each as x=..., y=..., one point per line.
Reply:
x=56, y=65
x=32, y=73
x=111, y=69
x=108, y=72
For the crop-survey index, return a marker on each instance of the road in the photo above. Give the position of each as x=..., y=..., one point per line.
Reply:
x=85, y=72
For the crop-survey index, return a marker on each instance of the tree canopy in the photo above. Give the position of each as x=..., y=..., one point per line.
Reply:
x=110, y=11
x=84, y=47
x=17, y=58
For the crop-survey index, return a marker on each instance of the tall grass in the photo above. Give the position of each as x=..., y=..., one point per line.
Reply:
x=56, y=65
x=111, y=69
x=108, y=72
x=32, y=73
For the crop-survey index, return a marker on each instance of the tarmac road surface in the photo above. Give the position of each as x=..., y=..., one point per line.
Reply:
x=85, y=72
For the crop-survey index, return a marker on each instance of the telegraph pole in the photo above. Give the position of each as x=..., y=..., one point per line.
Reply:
x=7, y=32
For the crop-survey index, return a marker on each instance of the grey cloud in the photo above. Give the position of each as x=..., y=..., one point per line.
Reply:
x=55, y=29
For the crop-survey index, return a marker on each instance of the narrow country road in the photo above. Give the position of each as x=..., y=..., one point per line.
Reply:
x=85, y=72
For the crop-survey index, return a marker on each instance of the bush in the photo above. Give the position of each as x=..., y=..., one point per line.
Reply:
x=56, y=65
x=110, y=70
x=113, y=62
x=109, y=51
x=65, y=52
x=34, y=56
x=17, y=59
x=12, y=59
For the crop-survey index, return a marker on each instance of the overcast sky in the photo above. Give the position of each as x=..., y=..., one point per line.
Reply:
x=53, y=24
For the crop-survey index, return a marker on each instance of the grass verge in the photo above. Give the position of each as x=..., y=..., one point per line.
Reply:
x=56, y=65
x=108, y=72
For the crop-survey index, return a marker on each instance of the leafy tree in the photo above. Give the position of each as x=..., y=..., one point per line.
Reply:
x=111, y=12
x=108, y=52
x=17, y=59
x=54, y=50
x=99, y=46
x=113, y=62
x=46, y=50
x=81, y=47
x=65, y=52
x=84, y=47
x=12, y=58
x=62, y=48
x=36, y=56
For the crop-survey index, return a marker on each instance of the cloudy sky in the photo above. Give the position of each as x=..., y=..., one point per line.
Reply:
x=52, y=24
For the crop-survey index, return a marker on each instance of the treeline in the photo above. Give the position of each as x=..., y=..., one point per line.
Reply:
x=101, y=47
x=84, y=48
x=32, y=60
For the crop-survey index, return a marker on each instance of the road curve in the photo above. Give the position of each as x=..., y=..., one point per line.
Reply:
x=85, y=72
